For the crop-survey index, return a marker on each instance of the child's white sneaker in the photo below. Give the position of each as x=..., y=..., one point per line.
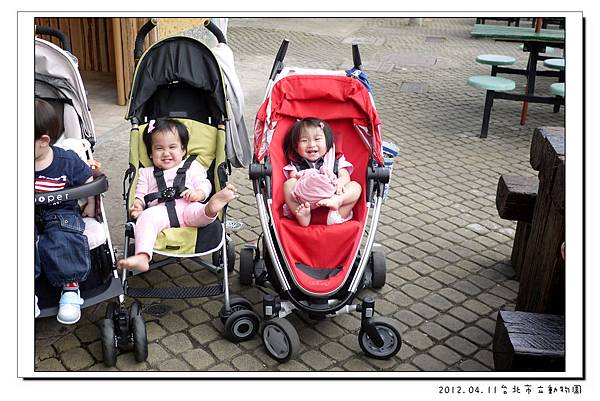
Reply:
x=37, y=309
x=69, y=307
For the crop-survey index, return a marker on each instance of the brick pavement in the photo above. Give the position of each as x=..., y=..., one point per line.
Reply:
x=448, y=253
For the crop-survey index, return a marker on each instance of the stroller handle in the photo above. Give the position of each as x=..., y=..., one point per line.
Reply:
x=141, y=35
x=215, y=31
x=96, y=187
x=356, y=57
x=64, y=42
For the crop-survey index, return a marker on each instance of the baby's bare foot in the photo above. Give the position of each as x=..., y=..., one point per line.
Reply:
x=332, y=203
x=220, y=199
x=303, y=214
x=136, y=262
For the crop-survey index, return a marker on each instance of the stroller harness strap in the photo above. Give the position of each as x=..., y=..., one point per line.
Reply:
x=317, y=164
x=169, y=194
x=319, y=273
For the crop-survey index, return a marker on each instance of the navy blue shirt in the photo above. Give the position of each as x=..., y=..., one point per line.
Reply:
x=67, y=170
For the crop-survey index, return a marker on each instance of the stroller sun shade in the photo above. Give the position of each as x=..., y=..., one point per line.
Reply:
x=178, y=77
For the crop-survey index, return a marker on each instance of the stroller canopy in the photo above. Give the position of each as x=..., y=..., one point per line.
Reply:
x=57, y=80
x=178, y=77
x=327, y=97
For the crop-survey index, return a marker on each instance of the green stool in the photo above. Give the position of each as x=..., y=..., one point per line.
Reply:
x=491, y=85
x=558, y=89
x=495, y=60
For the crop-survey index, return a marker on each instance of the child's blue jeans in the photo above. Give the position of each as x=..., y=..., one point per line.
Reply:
x=62, y=250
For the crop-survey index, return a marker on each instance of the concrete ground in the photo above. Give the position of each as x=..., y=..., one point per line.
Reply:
x=448, y=252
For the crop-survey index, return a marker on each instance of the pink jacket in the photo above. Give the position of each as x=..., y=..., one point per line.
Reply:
x=195, y=178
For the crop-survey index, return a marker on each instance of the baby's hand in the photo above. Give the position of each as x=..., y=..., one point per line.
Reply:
x=193, y=196
x=136, y=209
x=95, y=165
x=89, y=210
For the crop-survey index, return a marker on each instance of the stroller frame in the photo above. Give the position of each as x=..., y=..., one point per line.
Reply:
x=377, y=337
x=240, y=321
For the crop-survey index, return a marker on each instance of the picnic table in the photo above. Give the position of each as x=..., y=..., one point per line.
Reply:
x=534, y=43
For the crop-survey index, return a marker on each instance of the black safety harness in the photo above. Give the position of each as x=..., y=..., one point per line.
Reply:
x=169, y=194
x=304, y=164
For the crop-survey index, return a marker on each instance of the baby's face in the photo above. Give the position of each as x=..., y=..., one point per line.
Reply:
x=167, y=151
x=311, y=143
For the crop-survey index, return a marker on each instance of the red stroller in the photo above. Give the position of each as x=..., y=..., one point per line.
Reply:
x=318, y=269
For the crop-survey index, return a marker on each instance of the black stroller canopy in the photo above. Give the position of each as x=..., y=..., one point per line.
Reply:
x=177, y=77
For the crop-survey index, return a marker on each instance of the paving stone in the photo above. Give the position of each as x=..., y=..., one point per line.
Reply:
x=445, y=354
x=310, y=337
x=428, y=283
x=88, y=333
x=316, y=360
x=44, y=352
x=358, y=365
x=485, y=357
x=154, y=331
x=466, y=287
x=434, y=330
x=423, y=310
x=173, y=365
x=195, y=316
x=457, y=271
x=408, y=317
x=347, y=322
x=329, y=329
x=417, y=339
x=156, y=353
x=336, y=351
x=49, y=365
x=477, y=336
x=438, y=302
x=443, y=278
x=421, y=268
x=481, y=281
x=450, y=322
x=77, y=359
x=204, y=333
x=452, y=295
x=503, y=292
x=247, y=363
x=488, y=324
x=477, y=307
x=472, y=366
x=224, y=350
x=427, y=363
x=414, y=291
x=461, y=345
x=177, y=343
x=173, y=323
x=66, y=343
x=292, y=366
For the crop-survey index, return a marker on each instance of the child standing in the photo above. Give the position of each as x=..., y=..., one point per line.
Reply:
x=62, y=250
x=166, y=141
x=316, y=176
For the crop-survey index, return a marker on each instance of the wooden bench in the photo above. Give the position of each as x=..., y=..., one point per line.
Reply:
x=525, y=341
x=515, y=200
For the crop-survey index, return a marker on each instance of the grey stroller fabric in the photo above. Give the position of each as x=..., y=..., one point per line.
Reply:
x=238, y=149
x=57, y=77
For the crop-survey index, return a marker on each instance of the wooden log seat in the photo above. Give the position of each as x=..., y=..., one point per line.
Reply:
x=525, y=341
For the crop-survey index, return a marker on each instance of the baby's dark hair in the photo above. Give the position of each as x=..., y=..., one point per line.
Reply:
x=46, y=121
x=165, y=125
x=290, y=142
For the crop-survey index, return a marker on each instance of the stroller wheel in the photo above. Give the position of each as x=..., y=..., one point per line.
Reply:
x=246, y=266
x=230, y=249
x=378, y=264
x=391, y=340
x=280, y=339
x=241, y=325
x=137, y=326
x=109, y=342
x=236, y=303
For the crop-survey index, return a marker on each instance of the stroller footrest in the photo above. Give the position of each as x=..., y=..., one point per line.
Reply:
x=176, y=292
